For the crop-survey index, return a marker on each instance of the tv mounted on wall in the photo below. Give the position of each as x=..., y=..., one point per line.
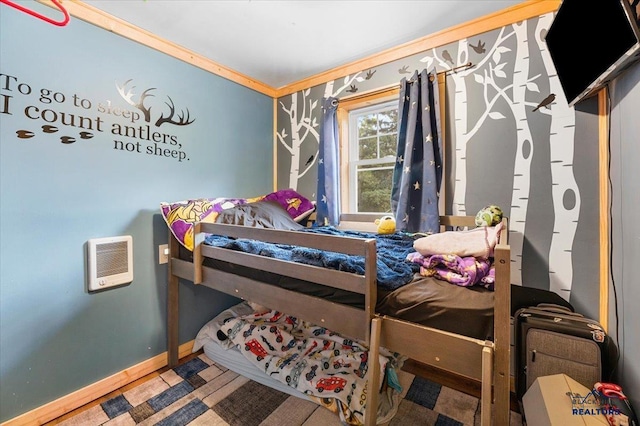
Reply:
x=592, y=42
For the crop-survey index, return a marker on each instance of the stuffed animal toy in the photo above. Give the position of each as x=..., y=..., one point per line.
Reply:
x=386, y=225
x=489, y=216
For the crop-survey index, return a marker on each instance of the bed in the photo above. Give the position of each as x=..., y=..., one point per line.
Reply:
x=325, y=297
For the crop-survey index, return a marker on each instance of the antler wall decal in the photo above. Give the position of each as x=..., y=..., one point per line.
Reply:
x=127, y=94
x=182, y=120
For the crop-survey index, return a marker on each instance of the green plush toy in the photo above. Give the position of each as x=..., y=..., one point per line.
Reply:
x=489, y=216
x=386, y=225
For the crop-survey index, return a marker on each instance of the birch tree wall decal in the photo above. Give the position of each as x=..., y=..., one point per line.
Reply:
x=561, y=141
x=489, y=73
x=463, y=135
x=302, y=129
x=524, y=150
x=303, y=117
x=484, y=71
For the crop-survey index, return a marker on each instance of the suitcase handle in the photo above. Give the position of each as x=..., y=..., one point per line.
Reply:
x=558, y=309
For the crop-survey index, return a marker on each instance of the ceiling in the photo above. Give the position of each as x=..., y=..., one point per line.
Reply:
x=279, y=42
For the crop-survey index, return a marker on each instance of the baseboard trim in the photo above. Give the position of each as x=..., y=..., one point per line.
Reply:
x=70, y=402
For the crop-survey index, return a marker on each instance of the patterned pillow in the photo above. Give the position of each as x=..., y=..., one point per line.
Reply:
x=294, y=203
x=180, y=216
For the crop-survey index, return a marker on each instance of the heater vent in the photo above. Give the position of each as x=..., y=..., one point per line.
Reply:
x=109, y=261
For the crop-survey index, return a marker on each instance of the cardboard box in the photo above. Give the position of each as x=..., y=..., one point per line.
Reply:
x=560, y=400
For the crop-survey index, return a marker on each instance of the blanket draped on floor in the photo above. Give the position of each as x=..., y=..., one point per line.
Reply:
x=313, y=360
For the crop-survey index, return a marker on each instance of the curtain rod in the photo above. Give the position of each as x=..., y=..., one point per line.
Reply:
x=455, y=69
x=394, y=86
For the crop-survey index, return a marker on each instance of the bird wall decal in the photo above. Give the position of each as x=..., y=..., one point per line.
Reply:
x=352, y=89
x=404, y=70
x=546, y=102
x=309, y=160
x=447, y=56
x=479, y=48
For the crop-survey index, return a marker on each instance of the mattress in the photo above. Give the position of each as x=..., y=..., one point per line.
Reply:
x=425, y=300
x=233, y=360
x=439, y=304
x=222, y=352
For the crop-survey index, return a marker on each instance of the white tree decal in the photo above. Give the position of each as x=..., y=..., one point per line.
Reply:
x=490, y=74
x=561, y=141
x=302, y=129
x=328, y=90
x=524, y=151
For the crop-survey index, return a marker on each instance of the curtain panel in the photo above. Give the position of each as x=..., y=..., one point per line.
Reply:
x=417, y=173
x=328, y=194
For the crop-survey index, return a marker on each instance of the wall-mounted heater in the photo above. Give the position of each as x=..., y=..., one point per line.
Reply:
x=109, y=262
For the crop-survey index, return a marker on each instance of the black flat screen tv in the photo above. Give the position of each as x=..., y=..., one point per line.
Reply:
x=591, y=42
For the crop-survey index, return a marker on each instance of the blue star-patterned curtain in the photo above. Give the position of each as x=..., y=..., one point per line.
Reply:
x=328, y=194
x=418, y=170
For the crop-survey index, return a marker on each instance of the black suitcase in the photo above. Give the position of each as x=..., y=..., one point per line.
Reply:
x=551, y=339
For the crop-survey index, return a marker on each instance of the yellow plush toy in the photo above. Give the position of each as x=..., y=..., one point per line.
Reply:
x=386, y=225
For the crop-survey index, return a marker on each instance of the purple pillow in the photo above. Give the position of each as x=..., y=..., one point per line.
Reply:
x=295, y=204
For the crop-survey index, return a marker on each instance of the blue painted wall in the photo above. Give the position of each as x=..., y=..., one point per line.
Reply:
x=55, y=337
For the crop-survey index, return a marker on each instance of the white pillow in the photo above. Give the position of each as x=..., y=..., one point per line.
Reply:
x=210, y=330
x=477, y=242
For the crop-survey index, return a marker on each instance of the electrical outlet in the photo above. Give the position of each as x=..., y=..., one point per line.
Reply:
x=163, y=254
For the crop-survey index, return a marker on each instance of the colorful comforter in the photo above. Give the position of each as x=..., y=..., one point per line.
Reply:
x=311, y=359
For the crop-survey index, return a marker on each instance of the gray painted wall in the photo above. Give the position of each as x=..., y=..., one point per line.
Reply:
x=490, y=168
x=56, y=338
x=625, y=242
x=539, y=165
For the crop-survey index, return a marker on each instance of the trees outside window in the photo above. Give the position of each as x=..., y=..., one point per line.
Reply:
x=372, y=145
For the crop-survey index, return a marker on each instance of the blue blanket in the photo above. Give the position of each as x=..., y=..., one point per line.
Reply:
x=393, y=269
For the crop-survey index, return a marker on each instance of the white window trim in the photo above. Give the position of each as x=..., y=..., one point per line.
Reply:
x=353, y=149
x=345, y=106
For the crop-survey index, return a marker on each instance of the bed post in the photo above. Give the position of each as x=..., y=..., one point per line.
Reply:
x=173, y=291
x=487, y=373
x=374, y=327
x=373, y=385
x=371, y=292
x=502, y=335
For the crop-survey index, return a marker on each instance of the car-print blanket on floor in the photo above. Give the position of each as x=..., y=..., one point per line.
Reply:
x=313, y=360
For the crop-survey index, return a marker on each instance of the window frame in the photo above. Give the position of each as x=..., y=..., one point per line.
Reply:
x=354, y=149
x=374, y=99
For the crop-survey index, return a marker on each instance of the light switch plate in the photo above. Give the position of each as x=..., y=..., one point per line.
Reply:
x=163, y=254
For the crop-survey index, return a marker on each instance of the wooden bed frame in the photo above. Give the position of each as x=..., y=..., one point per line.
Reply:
x=485, y=361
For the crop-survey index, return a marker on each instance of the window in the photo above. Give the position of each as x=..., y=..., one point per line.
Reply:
x=373, y=141
x=369, y=140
